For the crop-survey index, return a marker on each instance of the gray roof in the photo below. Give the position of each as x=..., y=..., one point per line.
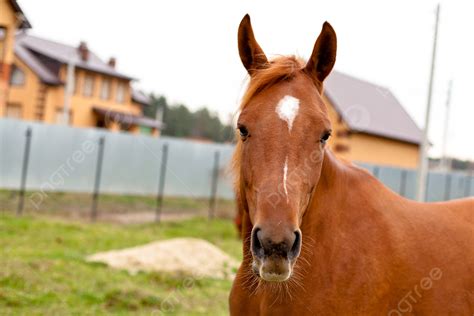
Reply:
x=140, y=97
x=371, y=109
x=60, y=53
x=127, y=118
x=43, y=72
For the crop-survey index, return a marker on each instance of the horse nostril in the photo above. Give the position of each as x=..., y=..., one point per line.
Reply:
x=296, y=248
x=257, y=247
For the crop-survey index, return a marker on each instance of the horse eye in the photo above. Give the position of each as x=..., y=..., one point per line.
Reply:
x=244, y=133
x=325, y=137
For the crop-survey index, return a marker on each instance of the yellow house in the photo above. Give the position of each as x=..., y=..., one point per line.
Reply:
x=11, y=19
x=369, y=124
x=100, y=96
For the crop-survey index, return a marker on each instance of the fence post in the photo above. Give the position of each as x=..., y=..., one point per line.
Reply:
x=403, y=183
x=161, y=183
x=215, y=178
x=24, y=171
x=98, y=173
x=376, y=172
x=427, y=186
x=447, y=187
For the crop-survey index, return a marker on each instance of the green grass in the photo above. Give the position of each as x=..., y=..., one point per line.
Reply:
x=43, y=272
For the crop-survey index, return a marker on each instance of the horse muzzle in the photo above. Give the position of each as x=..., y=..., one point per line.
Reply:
x=273, y=258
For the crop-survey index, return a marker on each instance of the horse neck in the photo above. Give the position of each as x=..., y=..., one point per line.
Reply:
x=328, y=206
x=347, y=200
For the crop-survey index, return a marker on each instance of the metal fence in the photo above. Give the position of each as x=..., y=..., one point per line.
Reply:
x=440, y=186
x=43, y=158
x=66, y=159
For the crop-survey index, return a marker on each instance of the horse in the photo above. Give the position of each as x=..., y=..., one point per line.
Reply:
x=322, y=236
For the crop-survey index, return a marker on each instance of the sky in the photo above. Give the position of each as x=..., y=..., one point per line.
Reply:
x=187, y=50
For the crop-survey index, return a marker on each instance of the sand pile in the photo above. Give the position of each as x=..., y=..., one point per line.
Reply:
x=190, y=256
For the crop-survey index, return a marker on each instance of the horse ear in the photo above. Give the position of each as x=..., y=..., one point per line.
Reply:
x=251, y=54
x=323, y=56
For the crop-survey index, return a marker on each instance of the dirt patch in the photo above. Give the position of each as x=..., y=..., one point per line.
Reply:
x=145, y=217
x=189, y=256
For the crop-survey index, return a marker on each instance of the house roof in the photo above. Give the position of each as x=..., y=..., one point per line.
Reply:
x=59, y=53
x=371, y=109
x=140, y=97
x=127, y=118
x=24, y=24
x=43, y=72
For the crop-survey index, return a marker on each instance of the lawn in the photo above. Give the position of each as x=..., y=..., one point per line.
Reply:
x=43, y=272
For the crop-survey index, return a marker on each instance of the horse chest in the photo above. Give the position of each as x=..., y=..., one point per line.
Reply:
x=309, y=304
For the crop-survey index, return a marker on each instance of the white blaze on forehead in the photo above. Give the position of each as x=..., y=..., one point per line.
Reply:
x=287, y=109
x=285, y=176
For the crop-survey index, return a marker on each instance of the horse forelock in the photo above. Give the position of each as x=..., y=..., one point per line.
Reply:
x=280, y=68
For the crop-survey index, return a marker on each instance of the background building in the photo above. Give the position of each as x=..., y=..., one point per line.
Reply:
x=101, y=97
x=11, y=19
x=369, y=124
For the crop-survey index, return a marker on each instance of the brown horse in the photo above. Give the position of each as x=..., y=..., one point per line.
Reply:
x=324, y=237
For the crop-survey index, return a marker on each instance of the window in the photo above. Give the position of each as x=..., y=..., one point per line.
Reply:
x=120, y=96
x=105, y=89
x=3, y=41
x=17, y=76
x=13, y=111
x=88, y=87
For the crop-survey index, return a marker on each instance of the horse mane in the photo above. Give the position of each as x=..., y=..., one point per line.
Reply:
x=280, y=69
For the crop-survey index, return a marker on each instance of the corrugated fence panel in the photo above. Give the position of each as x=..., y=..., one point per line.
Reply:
x=458, y=184
x=391, y=177
x=436, y=187
x=130, y=165
x=61, y=159
x=12, y=140
x=410, y=191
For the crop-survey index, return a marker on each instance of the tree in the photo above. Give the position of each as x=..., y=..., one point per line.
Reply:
x=181, y=122
x=178, y=121
x=156, y=102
